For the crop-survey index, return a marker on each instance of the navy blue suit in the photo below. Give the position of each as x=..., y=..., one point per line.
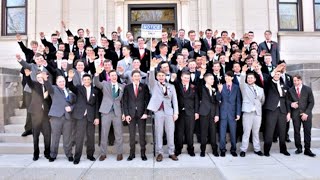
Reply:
x=230, y=107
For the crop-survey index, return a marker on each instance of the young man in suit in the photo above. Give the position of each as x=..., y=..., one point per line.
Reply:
x=39, y=108
x=60, y=117
x=126, y=62
x=187, y=95
x=277, y=112
x=209, y=115
x=69, y=33
x=85, y=114
x=164, y=104
x=53, y=45
x=126, y=76
x=111, y=112
x=229, y=96
x=301, y=101
x=209, y=41
x=143, y=54
x=135, y=101
x=252, y=100
x=271, y=47
x=197, y=50
x=181, y=41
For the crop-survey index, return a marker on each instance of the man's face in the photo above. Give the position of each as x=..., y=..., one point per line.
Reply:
x=136, y=77
x=209, y=80
x=128, y=35
x=208, y=34
x=197, y=45
x=61, y=82
x=101, y=52
x=218, y=49
x=267, y=35
x=192, y=65
x=34, y=47
x=117, y=45
x=136, y=64
x=38, y=60
x=267, y=59
x=80, y=67
x=86, y=81
x=216, y=68
x=253, y=53
x=237, y=56
x=54, y=39
x=257, y=68
x=222, y=59
x=125, y=51
x=180, y=59
x=61, y=47
x=210, y=54
x=185, y=79
x=81, y=33
x=199, y=61
x=161, y=77
x=114, y=77
x=93, y=41
x=64, y=64
x=89, y=51
x=39, y=78
x=114, y=36
x=254, y=46
x=277, y=76
x=164, y=50
x=236, y=68
x=80, y=45
x=59, y=54
x=192, y=36
x=165, y=68
x=234, y=47
x=104, y=42
x=141, y=42
x=164, y=35
x=251, y=36
x=251, y=79
x=228, y=79
x=185, y=53
x=71, y=40
x=181, y=34
x=249, y=62
x=297, y=82
x=219, y=41
x=224, y=36
x=107, y=66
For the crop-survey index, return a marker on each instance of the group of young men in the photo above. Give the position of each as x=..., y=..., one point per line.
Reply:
x=206, y=86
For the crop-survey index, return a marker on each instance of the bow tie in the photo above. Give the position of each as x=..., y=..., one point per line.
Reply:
x=268, y=41
x=237, y=75
x=141, y=48
x=192, y=72
x=167, y=74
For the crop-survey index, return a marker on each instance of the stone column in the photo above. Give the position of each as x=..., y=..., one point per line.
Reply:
x=10, y=94
x=308, y=15
x=184, y=17
x=119, y=16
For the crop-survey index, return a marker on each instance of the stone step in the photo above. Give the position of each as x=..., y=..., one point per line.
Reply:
x=20, y=112
x=27, y=148
x=17, y=120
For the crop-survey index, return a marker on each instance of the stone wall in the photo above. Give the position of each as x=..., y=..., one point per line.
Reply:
x=10, y=94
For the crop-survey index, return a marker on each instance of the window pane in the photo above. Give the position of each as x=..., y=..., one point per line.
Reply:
x=16, y=20
x=11, y=3
x=317, y=1
x=288, y=16
x=292, y=1
x=317, y=16
x=152, y=15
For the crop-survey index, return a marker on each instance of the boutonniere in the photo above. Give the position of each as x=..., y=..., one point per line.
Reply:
x=285, y=91
x=93, y=95
x=288, y=78
x=281, y=86
x=120, y=89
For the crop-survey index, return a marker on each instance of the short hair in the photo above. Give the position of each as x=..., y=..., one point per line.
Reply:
x=221, y=54
x=222, y=32
x=237, y=51
x=34, y=43
x=86, y=75
x=191, y=31
x=140, y=37
x=80, y=29
x=251, y=32
x=191, y=60
x=134, y=72
x=136, y=59
x=248, y=57
x=236, y=63
x=208, y=30
x=267, y=54
x=54, y=34
x=251, y=74
x=71, y=36
x=107, y=61
x=89, y=46
x=179, y=54
x=185, y=73
x=207, y=75
x=114, y=32
x=298, y=76
x=182, y=30
x=215, y=62
x=229, y=73
x=127, y=47
x=160, y=72
x=100, y=48
x=38, y=55
x=162, y=45
x=164, y=30
x=80, y=41
x=111, y=71
x=163, y=62
x=60, y=77
x=78, y=61
x=268, y=31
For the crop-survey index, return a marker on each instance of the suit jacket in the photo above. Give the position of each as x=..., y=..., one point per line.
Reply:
x=135, y=106
x=305, y=102
x=38, y=102
x=59, y=101
x=273, y=98
x=82, y=104
x=194, y=55
x=144, y=58
x=74, y=48
x=182, y=43
x=261, y=84
x=77, y=54
x=252, y=99
x=189, y=46
x=126, y=77
x=124, y=65
x=266, y=70
x=169, y=100
x=107, y=101
x=287, y=82
x=205, y=46
x=187, y=101
x=48, y=44
x=274, y=51
x=230, y=103
x=208, y=104
x=55, y=72
x=170, y=43
x=27, y=52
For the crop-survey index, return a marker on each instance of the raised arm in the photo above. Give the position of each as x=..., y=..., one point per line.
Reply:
x=23, y=63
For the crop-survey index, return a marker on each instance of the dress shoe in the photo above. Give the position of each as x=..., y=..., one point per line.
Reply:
x=202, y=154
x=286, y=153
x=35, y=158
x=159, y=158
x=234, y=154
x=215, y=153
x=177, y=153
x=47, y=156
x=111, y=143
x=119, y=157
x=298, y=151
x=51, y=159
x=91, y=158
x=76, y=161
x=26, y=133
x=223, y=154
x=173, y=157
x=70, y=159
x=102, y=157
x=132, y=156
x=259, y=153
x=192, y=154
x=242, y=154
x=288, y=140
x=144, y=157
x=309, y=153
x=266, y=154
x=275, y=140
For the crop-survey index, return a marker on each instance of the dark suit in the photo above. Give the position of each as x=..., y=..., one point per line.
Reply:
x=306, y=104
x=84, y=112
x=230, y=107
x=274, y=51
x=135, y=106
x=182, y=43
x=205, y=45
x=39, y=108
x=208, y=109
x=144, y=59
x=50, y=45
x=275, y=116
x=193, y=54
x=170, y=43
x=74, y=48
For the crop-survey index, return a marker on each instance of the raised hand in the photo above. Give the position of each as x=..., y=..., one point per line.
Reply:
x=173, y=33
x=18, y=56
x=201, y=34
x=27, y=72
x=88, y=32
x=215, y=33
x=245, y=68
x=18, y=36
x=101, y=30
x=58, y=33
x=42, y=34
x=98, y=70
x=233, y=35
x=154, y=43
x=120, y=69
x=44, y=76
x=119, y=30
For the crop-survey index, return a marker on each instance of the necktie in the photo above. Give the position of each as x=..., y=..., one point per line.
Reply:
x=114, y=94
x=107, y=77
x=209, y=43
x=136, y=90
x=254, y=90
x=229, y=88
x=184, y=88
x=261, y=79
x=298, y=92
x=101, y=62
x=80, y=54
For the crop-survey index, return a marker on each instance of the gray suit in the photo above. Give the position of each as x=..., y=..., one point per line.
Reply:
x=111, y=112
x=126, y=77
x=126, y=67
x=164, y=115
x=60, y=119
x=252, y=101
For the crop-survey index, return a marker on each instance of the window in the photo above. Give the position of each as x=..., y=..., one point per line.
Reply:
x=317, y=15
x=165, y=14
x=14, y=17
x=289, y=15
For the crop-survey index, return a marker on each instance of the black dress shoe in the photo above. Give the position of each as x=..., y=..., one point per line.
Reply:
x=215, y=154
x=177, y=153
x=288, y=140
x=70, y=159
x=131, y=157
x=309, y=153
x=242, y=154
x=76, y=161
x=91, y=158
x=35, y=158
x=51, y=159
x=234, y=154
x=202, y=154
x=144, y=157
x=298, y=151
x=192, y=154
x=111, y=143
x=223, y=154
x=259, y=153
x=275, y=140
x=47, y=156
x=266, y=154
x=26, y=133
x=286, y=153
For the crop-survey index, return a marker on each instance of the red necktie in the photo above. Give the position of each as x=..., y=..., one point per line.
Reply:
x=184, y=88
x=298, y=92
x=136, y=91
x=101, y=62
x=261, y=79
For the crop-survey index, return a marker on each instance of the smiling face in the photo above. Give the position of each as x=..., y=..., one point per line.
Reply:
x=161, y=77
x=297, y=82
x=185, y=78
x=114, y=77
x=86, y=81
x=251, y=79
x=136, y=77
x=61, y=82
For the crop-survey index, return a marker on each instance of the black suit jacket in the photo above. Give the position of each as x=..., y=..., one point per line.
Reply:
x=305, y=102
x=205, y=46
x=82, y=104
x=288, y=82
x=273, y=98
x=38, y=103
x=188, y=100
x=208, y=104
x=135, y=106
x=170, y=43
x=145, y=59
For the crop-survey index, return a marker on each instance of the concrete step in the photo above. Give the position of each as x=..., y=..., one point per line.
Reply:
x=20, y=112
x=17, y=120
